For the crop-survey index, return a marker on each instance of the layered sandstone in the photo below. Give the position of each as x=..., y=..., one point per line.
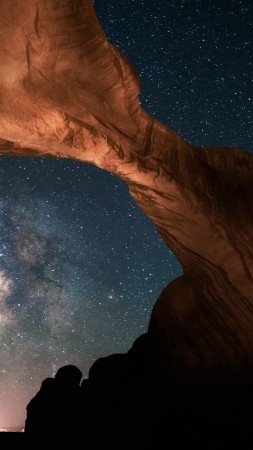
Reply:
x=65, y=91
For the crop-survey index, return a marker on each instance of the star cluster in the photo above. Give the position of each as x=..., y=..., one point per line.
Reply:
x=80, y=265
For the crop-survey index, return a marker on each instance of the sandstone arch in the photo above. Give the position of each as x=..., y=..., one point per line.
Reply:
x=66, y=92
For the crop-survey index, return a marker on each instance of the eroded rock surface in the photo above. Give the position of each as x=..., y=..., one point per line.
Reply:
x=66, y=92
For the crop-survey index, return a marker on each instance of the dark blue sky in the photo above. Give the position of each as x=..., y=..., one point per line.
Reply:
x=80, y=265
x=194, y=59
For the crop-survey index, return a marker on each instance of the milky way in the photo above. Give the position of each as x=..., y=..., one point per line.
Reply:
x=80, y=265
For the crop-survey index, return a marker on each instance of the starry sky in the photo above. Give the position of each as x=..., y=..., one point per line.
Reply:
x=80, y=265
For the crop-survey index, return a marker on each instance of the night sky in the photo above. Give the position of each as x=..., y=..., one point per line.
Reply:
x=80, y=265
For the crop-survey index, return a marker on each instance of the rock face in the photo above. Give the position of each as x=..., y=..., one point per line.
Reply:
x=66, y=92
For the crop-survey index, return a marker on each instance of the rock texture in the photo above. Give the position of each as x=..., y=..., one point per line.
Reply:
x=66, y=92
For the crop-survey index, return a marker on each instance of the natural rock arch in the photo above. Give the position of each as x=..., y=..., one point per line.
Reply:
x=66, y=92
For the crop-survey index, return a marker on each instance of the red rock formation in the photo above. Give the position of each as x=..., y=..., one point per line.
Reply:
x=66, y=92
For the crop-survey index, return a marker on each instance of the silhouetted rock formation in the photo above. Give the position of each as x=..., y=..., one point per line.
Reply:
x=55, y=409
x=128, y=403
x=67, y=92
x=123, y=409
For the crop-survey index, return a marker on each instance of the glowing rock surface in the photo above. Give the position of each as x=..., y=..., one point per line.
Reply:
x=66, y=92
